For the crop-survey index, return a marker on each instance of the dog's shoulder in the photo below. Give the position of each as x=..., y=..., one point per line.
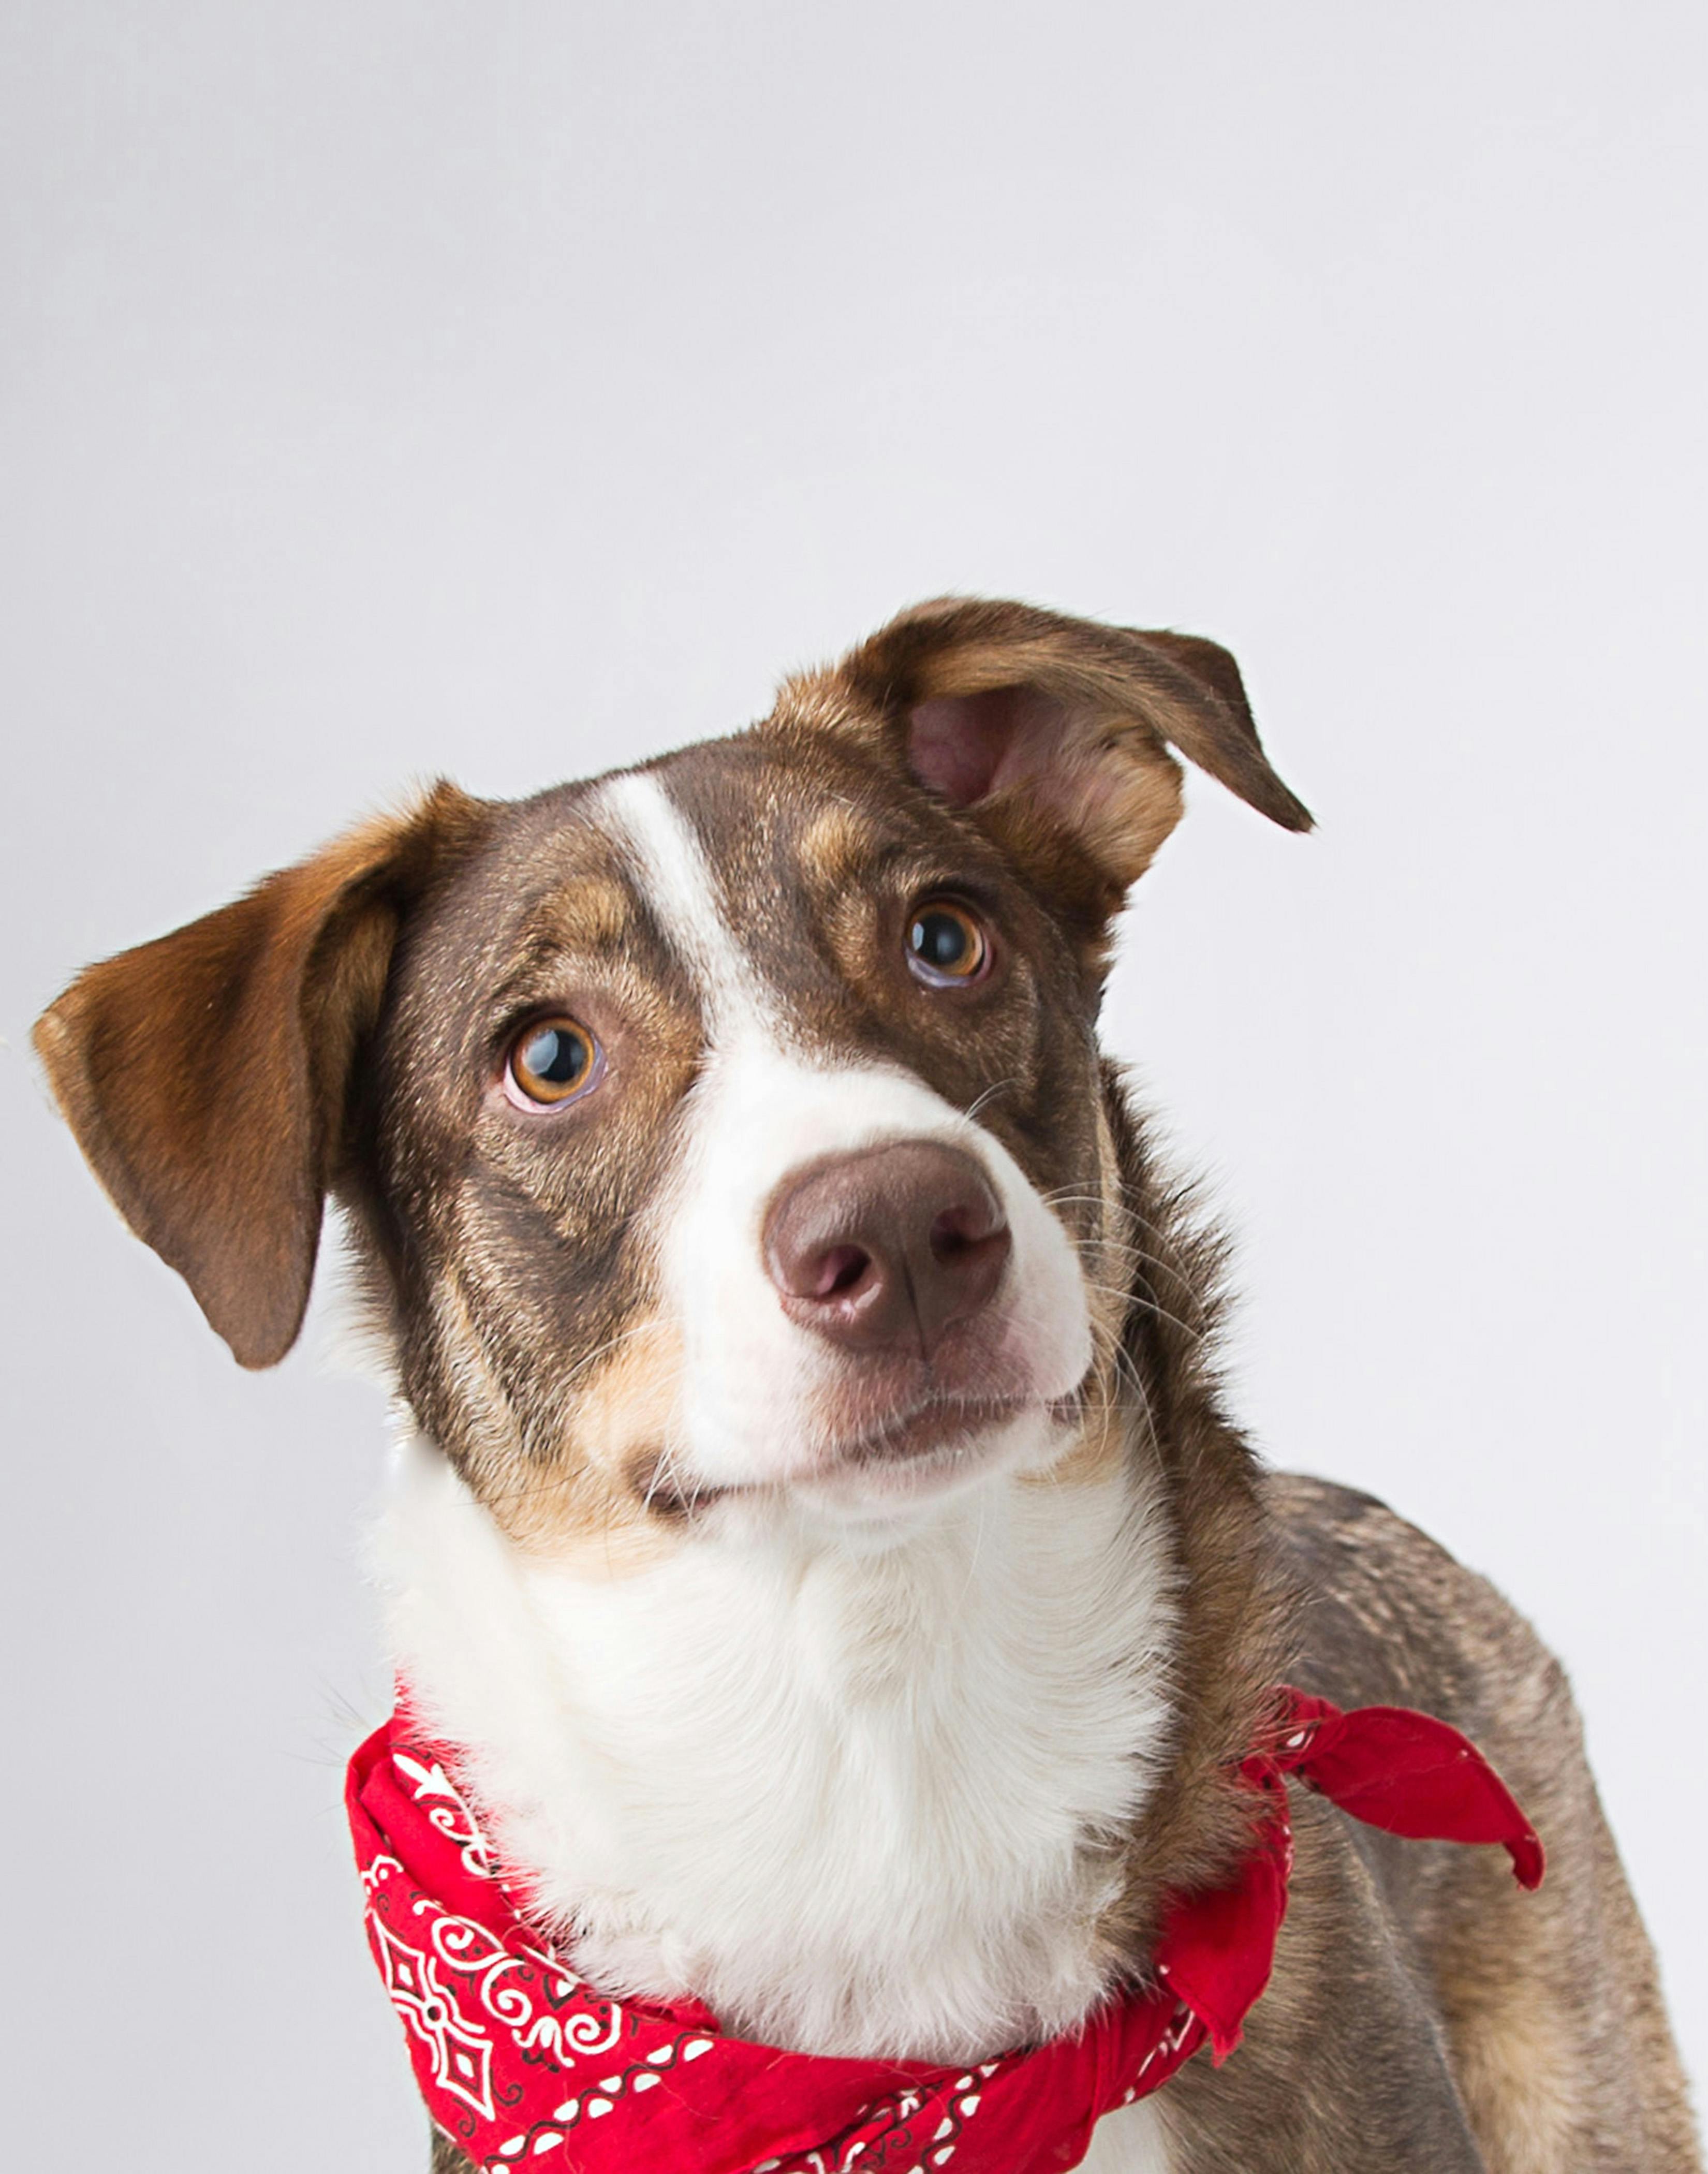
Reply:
x=1386, y=1615
x=1551, y=2011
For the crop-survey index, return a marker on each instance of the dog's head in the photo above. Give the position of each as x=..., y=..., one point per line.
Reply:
x=723, y=1137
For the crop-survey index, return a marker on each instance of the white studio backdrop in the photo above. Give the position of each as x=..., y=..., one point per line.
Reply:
x=513, y=391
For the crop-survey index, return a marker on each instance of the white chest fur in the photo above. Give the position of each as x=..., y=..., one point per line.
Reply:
x=855, y=1796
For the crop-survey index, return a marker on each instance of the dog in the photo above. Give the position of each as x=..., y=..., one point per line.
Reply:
x=819, y=1534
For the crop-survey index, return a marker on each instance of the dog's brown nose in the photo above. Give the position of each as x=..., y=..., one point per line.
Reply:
x=881, y=1250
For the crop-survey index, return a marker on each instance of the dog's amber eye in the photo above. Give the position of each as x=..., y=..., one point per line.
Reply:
x=947, y=946
x=551, y=1062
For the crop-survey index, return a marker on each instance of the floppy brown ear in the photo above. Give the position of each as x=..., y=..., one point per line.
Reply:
x=1007, y=709
x=205, y=1075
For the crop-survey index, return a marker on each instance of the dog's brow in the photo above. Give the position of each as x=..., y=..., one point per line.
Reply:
x=669, y=870
x=583, y=923
x=588, y=912
x=839, y=840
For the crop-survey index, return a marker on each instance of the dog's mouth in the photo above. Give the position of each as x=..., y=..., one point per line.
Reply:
x=927, y=1450
x=921, y=1450
x=939, y=1424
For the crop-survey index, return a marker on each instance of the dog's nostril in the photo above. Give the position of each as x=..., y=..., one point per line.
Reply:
x=840, y=1270
x=957, y=1231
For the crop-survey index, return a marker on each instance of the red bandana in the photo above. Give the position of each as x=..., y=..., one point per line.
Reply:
x=518, y=2058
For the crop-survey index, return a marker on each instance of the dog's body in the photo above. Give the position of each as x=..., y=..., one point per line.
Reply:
x=819, y=1534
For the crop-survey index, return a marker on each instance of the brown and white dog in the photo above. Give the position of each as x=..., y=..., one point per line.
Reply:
x=819, y=1525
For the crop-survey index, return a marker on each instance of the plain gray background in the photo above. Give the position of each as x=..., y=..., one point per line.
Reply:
x=514, y=390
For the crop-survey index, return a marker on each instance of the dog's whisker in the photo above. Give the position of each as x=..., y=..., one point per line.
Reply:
x=1122, y=1365
x=603, y=1350
x=983, y=1100
x=1149, y=1306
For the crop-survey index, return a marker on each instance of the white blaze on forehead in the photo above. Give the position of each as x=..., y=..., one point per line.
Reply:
x=675, y=879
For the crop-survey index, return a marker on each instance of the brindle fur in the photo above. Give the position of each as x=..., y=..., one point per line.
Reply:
x=1424, y=2015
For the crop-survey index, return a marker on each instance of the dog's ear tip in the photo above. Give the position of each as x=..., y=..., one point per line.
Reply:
x=60, y=1045
x=258, y=1327
x=1261, y=790
x=256, y=1358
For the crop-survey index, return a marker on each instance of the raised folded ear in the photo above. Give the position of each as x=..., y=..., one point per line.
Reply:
x=205, y=1075
x=1013, y=711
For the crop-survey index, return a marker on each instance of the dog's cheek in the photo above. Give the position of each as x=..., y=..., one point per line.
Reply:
x=1106, y=1251
x=563, y=1463
x=608, y=1500
x=540, y=1367
x=1048, y=1122
x=1101, y=1240
x=627, y=1410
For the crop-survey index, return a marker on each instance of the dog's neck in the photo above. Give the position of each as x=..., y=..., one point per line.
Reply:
x=859, y=1798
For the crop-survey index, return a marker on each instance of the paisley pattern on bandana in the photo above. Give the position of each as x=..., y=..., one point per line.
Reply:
x=520, y=2059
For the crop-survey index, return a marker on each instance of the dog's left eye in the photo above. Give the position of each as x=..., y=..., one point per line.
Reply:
x=947, y=945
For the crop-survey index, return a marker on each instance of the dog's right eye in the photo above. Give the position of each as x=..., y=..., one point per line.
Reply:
x=947, y=946
x=551, y=1062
